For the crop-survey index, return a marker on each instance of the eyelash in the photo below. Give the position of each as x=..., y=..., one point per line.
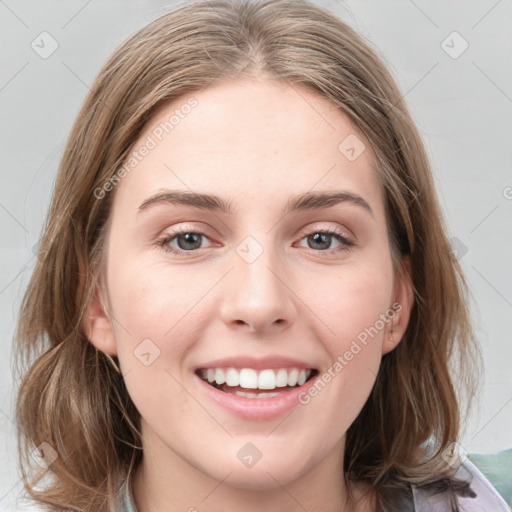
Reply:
x=166, y=239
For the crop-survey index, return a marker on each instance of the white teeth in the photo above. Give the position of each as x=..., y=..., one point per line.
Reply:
x=282, y=378
x=268, y=395
x=292, y=377
x=249, y=378
x=232, y=377
x=267, y=379
x=256, y=395
x=246, y=395
x=220, y=376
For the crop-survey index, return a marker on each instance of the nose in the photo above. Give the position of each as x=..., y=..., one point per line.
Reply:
x=258, y=293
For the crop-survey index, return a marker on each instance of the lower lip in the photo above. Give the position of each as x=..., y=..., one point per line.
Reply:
x=256, y=409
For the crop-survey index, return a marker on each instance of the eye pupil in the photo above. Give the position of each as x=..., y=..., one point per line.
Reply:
x=317, y=238
x=190, y=238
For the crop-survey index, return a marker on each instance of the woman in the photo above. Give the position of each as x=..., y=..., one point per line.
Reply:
x=299, y=354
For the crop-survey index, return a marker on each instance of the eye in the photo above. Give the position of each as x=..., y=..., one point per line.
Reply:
x=186, y=239
x=321, y=240
x=189, y=241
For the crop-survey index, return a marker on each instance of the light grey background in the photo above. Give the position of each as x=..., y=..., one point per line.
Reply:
x=462, y=105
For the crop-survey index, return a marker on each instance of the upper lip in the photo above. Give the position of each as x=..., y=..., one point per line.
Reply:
x=259, y=363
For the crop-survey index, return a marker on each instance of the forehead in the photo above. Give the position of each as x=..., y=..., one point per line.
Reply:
x=241, y=138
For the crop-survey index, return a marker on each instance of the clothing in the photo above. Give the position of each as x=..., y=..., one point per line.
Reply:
x=486, y=498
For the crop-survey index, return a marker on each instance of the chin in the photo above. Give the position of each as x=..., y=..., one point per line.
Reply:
x=276, y=471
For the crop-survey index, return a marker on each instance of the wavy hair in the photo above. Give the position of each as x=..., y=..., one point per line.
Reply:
x=70, y=398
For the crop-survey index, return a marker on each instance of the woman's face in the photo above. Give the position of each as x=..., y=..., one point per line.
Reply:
x=259, y=292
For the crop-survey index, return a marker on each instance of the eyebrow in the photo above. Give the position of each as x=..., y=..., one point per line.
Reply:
x=210, y=202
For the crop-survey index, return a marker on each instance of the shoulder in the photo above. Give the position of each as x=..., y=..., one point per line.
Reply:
x=484, y=497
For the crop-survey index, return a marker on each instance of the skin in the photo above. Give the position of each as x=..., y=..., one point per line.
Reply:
x=256, y=144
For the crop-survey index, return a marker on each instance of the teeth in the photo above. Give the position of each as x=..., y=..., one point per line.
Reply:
x=246, y=395
x=220, y=376
x=256, y=395
x=232, y=377
x=282, y=378
x=292, y=377
x=249, y=378
x=267, y=379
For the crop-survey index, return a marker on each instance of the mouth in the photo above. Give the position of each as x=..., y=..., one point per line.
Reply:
x=256, y=384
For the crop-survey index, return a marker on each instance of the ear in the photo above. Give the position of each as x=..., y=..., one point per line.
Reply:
x=403, y=300
x=97, y=325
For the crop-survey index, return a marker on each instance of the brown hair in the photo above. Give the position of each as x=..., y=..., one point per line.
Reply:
x=71, y=398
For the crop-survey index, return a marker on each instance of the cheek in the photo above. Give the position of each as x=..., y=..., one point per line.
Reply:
x=354, y=302
x=356, y=308
x=146, y=313
x=151, y=314
x=352, y=310
x=152, y=302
